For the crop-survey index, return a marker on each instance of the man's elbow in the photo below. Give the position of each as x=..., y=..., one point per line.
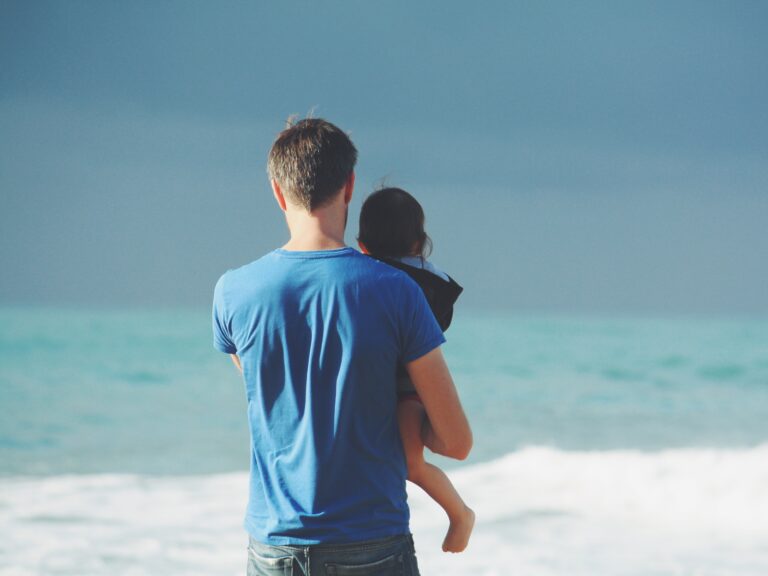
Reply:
x=461, y=449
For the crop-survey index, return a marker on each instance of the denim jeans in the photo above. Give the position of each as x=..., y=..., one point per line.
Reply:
x=394, y=556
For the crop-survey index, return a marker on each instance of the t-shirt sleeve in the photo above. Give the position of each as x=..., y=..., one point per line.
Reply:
x=222, y=336
x=420, y=331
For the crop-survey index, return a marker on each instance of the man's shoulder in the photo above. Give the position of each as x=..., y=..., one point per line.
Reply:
x=356, y=267
x=237, y=280
x=247, y=269
x=354, y=263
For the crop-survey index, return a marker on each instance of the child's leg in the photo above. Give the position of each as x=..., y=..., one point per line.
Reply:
x=431, y=479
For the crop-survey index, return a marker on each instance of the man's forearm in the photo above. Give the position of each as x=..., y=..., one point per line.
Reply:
x=447, y=432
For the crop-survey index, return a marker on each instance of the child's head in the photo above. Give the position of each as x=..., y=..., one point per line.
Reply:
x=392, y=225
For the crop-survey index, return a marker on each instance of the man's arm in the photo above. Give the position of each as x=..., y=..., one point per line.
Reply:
x=447, y=432
x=236, y=360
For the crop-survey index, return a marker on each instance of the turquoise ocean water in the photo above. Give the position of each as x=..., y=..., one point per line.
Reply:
x=644, y=438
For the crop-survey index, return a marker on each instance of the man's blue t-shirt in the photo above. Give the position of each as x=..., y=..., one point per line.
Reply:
x=320, y=335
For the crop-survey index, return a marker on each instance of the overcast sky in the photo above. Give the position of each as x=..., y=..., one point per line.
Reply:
x=577, y=157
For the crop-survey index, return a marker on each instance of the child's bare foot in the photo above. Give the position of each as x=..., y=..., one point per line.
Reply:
x=458, y=532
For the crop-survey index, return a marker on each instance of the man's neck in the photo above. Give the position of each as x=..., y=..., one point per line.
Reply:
x=309, y=244
x=322, y=229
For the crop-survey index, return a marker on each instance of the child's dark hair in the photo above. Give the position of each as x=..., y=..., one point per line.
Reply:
x=392, y=225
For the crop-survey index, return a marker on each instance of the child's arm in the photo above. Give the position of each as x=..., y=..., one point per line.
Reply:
x=236, y=360
x=449, y=433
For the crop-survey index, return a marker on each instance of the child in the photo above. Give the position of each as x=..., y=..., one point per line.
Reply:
x=392, y=230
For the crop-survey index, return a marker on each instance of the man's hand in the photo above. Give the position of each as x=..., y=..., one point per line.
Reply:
x=448, y=432
x=236, y=360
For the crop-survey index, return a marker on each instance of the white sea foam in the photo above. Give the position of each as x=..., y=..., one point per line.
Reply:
x=545, y=512
x=541, y=511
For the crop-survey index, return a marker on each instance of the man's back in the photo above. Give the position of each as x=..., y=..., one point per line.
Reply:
x=319, y=335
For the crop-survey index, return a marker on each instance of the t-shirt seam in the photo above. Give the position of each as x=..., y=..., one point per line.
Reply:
x=314, y=254
x=426, y=348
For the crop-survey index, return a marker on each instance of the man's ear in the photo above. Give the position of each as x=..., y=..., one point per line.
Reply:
x=348, y=188
x=278, y=195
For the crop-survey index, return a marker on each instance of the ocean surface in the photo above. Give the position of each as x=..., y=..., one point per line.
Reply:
x=615, y=446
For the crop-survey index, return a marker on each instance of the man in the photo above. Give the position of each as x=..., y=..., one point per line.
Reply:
x=318, y=330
